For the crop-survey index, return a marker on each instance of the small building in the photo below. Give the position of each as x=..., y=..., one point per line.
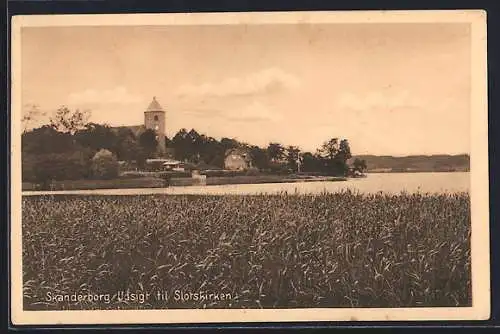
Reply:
x=174, y=165
x=237, y=159
x=159, y=164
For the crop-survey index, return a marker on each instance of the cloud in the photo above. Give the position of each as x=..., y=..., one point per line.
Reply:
x=263, y=82
x=255, y=111
x=116, y=96
x=387, y=100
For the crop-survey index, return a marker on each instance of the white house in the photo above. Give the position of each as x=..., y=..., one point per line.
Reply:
x=237, y=159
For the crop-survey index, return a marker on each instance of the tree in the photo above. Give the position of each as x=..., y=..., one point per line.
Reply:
x=344, y=152
x=334, y=155
x=359, y=165
x=275, y=151
x=128, y=149
x=46, y=139
x=43, y=168
x=329, y=149
x=104, y=165
x=65, y=120
x=148, y=142
x=229, y=143
x=168, y=142
x=310, y=162
x=293, y=153
x=213, y=152
x=179, y=144
x=259, y=157
x=197, y=148
x=97, y=136
x=127, y=146
x=123, y=132
x=194, y=145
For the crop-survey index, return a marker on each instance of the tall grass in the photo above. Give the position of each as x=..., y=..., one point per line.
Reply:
x=267, y=251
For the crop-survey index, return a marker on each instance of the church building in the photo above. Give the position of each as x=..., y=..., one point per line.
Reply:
x=154, y=119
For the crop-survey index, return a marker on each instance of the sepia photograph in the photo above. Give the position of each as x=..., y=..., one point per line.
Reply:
x=249, y=167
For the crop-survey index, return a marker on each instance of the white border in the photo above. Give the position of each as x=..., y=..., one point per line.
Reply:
x=480, y=309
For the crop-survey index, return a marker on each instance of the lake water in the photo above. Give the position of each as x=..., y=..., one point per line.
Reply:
x=373, y=183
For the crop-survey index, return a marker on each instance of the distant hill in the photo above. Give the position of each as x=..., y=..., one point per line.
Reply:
x=417, y=163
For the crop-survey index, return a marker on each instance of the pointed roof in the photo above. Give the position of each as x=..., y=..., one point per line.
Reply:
x=154, y=106
x=238, y=151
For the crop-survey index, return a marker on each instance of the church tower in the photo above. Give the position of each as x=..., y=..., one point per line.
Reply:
x=154, y=118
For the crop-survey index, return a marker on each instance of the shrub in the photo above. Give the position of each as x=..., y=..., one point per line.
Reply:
x=104, y=165
x=279, y=168
x=43, y=168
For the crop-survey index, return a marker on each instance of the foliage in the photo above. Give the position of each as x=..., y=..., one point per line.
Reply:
x=196, y=148
x=359, y=165
x=128, y=149
x=189, y=147
x=44, y=168
x=267, y=251
x=148, y=142
x=276, y=152
x=65, y=120
x=333, y=156
x=310, y=162
x=104, y=165
x=329, y=149
x=229, y=143
x=292, y=156
x=46, y=139
x=96, y=137
x=344, y=152
x=52, y=155
x=259, y=157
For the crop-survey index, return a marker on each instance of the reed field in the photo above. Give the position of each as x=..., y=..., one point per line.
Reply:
x=258, y=251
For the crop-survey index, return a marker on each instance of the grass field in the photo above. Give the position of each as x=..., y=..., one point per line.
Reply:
x=264, y=251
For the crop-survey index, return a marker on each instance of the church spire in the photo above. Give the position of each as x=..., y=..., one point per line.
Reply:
x=155, y=106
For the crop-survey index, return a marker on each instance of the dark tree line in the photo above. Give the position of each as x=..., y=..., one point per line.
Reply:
x=64, y=150
x=331, y=158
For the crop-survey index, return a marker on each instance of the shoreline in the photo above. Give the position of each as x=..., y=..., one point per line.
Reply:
x=241, y=184
x=157, y=182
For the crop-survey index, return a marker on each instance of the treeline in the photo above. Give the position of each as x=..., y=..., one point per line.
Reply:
x=420, y=163
x=71, y=148
x=329, y=159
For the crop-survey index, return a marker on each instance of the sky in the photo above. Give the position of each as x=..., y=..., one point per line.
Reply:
x=390, y=89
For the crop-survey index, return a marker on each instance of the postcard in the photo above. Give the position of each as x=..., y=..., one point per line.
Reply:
x=249, y=167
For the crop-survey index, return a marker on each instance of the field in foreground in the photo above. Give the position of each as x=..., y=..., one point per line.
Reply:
x=263, y=251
